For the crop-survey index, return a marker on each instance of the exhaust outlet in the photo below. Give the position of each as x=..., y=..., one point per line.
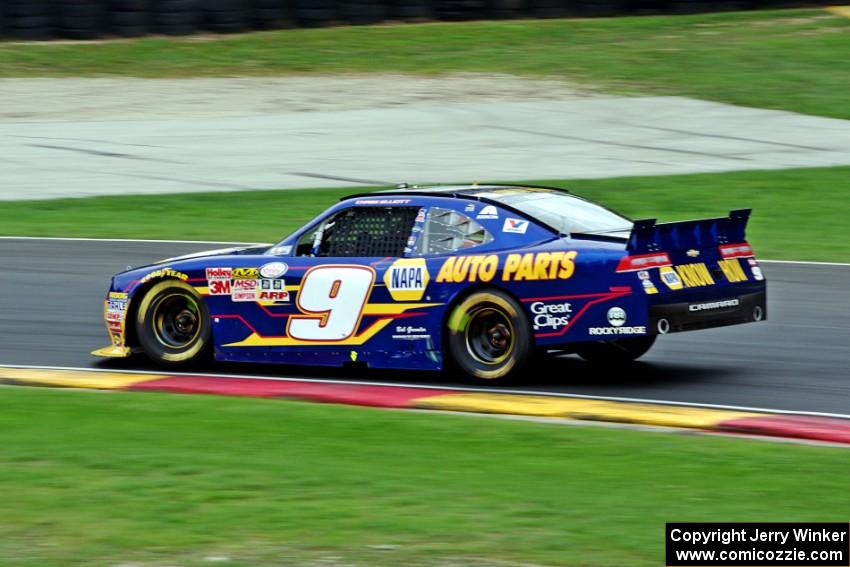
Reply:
x=663, y=326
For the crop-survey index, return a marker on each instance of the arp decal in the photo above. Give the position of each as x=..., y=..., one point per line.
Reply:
x=407, y=279
x=272, y=290
x=518, y=267
x=732, y=270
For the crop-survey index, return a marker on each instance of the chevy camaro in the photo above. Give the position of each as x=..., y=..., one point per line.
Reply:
x=478, y=279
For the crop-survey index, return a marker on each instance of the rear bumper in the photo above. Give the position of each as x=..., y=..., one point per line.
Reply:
x=705, y=314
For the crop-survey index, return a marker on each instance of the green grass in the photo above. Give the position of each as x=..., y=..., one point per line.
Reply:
x=793, y=59
x=149, y=479
x=798, y=214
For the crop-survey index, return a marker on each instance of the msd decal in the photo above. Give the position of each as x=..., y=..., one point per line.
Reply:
x=407, y=279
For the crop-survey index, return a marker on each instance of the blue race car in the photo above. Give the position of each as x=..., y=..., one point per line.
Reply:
x=475, y=278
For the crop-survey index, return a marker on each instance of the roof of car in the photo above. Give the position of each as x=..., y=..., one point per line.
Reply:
x=457, y=191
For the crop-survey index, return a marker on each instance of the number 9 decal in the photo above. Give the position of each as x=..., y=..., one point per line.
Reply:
x=331, y=299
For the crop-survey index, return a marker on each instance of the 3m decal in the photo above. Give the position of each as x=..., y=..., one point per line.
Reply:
x=164, y=273
x=695, y=275
x=331, y=298
x=732, y=270
x=516, y=226
x=219, y=287
x=407, y=279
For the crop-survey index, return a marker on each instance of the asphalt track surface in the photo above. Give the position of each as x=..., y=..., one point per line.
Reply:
x=51, y=294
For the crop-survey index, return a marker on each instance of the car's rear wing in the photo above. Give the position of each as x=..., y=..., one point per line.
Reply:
x=648, y=236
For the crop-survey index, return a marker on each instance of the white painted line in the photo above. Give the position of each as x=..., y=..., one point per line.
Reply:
x=803, y=262
x=70, y=239
x=444, y=387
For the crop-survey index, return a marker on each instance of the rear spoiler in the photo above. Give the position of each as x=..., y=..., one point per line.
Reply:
x=649, y=236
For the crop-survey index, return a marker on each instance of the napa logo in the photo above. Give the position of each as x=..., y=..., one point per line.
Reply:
x=406, y=279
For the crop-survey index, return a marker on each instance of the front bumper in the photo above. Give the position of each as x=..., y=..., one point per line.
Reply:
x=705, y=314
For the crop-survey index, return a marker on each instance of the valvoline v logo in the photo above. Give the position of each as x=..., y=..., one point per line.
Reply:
x=517, y=226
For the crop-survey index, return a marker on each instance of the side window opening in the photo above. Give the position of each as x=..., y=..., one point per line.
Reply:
x=360, y=231
x=447, y=231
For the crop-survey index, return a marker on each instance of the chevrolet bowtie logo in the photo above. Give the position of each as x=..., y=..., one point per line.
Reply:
x=693, y=253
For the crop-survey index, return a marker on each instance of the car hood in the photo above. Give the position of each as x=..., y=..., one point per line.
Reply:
x=233, y=251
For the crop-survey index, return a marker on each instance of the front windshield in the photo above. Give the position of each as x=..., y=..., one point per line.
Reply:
x=563, y=212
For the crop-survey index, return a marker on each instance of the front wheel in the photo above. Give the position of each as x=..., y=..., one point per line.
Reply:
x=489, y=337
x=617, y=351
x=172, y=324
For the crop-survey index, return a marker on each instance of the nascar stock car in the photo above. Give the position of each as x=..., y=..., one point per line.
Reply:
x=478, y=278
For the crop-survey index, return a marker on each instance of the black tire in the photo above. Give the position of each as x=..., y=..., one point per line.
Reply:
x=617, y=351
x=488, y=337
x=173, y=324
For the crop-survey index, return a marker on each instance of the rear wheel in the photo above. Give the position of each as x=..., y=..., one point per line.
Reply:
x=489, y=337
x=172, y=324
x=617, y=351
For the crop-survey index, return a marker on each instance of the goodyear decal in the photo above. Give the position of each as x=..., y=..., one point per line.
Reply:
x=518, y=267
x=407, y=279
x=732, y=270
x=164, y=273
